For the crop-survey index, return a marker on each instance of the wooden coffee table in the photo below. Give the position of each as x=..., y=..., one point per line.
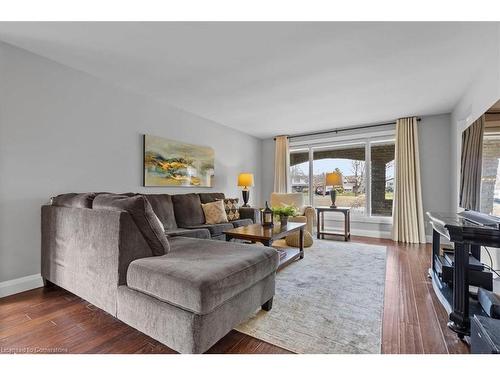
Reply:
x=266, y=236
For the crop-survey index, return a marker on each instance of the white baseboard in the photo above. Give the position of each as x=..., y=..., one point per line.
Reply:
x=371, y=233
x=20, y=285
x=376, y=228
x=363, y=232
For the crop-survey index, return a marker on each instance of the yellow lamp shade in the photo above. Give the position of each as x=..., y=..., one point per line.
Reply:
x=334, y=179
x=245, y=179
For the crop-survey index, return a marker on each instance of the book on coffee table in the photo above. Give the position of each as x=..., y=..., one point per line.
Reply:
x=282, y=253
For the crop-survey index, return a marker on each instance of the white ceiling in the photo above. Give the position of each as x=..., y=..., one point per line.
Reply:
x=274, y=78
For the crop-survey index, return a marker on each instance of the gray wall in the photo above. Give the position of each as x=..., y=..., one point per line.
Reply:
x=435, y=164
x=65, y=131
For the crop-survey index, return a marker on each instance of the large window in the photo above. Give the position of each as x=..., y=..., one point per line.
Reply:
x=366, y=166
x=350, y=162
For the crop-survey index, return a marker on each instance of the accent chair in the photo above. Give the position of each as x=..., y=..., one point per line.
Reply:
x=306, y=214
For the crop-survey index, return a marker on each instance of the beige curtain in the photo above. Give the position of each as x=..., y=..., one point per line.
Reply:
x=408, y=216
x=281, y=165
x=471, y=162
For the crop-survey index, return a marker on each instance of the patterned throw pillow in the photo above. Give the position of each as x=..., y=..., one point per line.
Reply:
x=214, y=212
x=232, y=208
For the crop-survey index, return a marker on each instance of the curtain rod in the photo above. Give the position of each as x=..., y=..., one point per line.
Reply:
x=343, y=129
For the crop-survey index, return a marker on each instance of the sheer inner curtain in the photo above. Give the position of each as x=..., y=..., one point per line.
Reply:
x=471, y=163
x=408, y=216
x=281, y=165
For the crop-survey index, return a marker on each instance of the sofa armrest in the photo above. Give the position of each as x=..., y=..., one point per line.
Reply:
x=88, y=251
x=250, y=213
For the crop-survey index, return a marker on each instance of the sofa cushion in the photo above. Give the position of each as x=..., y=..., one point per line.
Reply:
x=214, y=229
x=163, y=208
x=187, y=209
x=241, y=222
x=232, y=208
x=192, y=233
x=142, y=214
x=76, y=200
x=210, y=197
x=215, y=212
x=199, y=275
x=222, y=237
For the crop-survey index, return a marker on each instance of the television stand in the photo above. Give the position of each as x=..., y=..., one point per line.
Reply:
x=467, y=238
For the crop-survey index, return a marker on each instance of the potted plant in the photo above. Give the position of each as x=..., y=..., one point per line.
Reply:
x=284, y=212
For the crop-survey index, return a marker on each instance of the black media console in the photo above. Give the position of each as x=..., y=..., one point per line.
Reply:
x=453, y=273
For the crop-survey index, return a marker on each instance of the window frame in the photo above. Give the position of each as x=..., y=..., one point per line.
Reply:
x=338, y=142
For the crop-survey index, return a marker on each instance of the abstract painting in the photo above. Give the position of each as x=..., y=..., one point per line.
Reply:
x=172, y=163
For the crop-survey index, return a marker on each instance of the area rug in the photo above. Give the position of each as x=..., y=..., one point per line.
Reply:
x=329, y=302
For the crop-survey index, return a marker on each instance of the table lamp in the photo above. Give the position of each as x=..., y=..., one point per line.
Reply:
x=245, y=180
x=333, y=179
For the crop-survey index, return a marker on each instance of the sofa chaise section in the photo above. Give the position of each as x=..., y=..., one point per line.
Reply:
x=199, y=275
x=208, y=286
x=183, y=330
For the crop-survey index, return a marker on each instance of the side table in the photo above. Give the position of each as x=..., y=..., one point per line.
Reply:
x=321, y=222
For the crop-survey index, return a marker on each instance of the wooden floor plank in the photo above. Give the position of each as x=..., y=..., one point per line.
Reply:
x=410, y=339
x=427, y=317
x=390, y=326
x=32, y=297
x=407, y=305
x=453, y=344
x=51, y=318
x=227, y=344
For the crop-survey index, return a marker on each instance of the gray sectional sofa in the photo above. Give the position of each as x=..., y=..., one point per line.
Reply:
x=188, y=295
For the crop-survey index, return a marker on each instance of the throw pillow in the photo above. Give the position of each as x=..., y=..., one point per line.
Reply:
x=82, y=200
x=232, y=208
x=158, y=221
x=143, y=216
x=215, y=213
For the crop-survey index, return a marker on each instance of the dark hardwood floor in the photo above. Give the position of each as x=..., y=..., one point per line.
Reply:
x=52, y=320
